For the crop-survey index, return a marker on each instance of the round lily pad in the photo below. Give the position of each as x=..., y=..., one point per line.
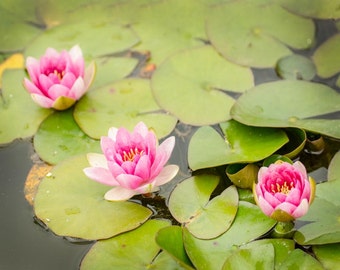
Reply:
x=123, y=103
x=59, y=137
x=194, y=81
x=328, y=255
x=132, y=250
x=71, y=204
x=296, y=67
x=240, y=144
x=288, y=103
x=252, y=33
x=334, y=168
x=189, y=204
x=20, y=116
x=298, y=259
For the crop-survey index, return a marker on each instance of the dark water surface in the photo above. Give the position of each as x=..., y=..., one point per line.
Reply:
x=24, y=245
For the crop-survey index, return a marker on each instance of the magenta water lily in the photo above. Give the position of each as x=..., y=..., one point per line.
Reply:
x=134, y=163
x=58, y=80
x=284, y=191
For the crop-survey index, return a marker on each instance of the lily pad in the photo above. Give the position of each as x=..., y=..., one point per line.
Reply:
x=20, y=116
x=59, y=137
x=249, y=224
x=71, y=204
x=319, y=9
x=259, y=257
x=171, y=241
x=189, y=204
x=296, y=67
x=300, y=104
x=123, y=103
x=194, y=81
x=328, y=255
x=240, y=144
x=327, y=57
x=87, y=34
x=334, y=168
x=132, y=250
x=298, y=259
x=251, y=33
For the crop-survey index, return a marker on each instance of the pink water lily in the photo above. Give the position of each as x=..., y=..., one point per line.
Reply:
x=58, y=80
x=133, y=163
x=284, y=191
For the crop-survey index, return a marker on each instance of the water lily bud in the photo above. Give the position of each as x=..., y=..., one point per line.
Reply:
x=284, y=191
x=58, y=80
x=242, y=175
x=133, y=163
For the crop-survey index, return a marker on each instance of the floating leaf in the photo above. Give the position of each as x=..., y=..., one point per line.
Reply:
x=327, y=57
x=300, y=104
x=296, y=67
x=192, y=82
x=20, y=116
x=249, y=224
x=132, y=250
x=87, y=34
x=319, y=9
x=59, y=137
x=241, y=144
x=251, y=33
x=123, y=103
x=259, y=257
x=72, y=205
x=334, y=168
x=298, y=259
x=170, y=239
x=189, y=204
x=328, y=255
x=297, y=140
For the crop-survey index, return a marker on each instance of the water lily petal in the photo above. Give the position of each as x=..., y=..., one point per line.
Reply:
x=97, y=160
x=142, y=168
x=266, y=208
x=63, y=103
x=141, y=129
x=113, y=133
x=166, y=175
x=301, y=209
x=68, y=80
x=78, y=89
x=119, y=194
x=89, y=74
x=162, y=155
x=58, y=90
x=294, y=196
x=130, y=181
x=286, y=207
x=33, y=69
x=42, y=101
x=100, y=175
x=271, y=199
x=45, y=83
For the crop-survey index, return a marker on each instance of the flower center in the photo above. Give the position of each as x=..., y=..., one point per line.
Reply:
x=284, y=188
x=131, y=154
x=59, y=74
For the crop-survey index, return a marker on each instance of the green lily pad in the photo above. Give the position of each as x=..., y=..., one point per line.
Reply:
x=299, y=104
x=71, y=204
x=297, y=140
x=259, y=257
x=319, y=9
x=110, y=69
x=166, y=262
x=132, y=250
x=251, y=33
x=20, y=116
x=298, y=259
x=323, y=217
x=123, y=103
x=59, y=137
x=296, y=67
x=327, y=57
x=192, y=82
x=241, y=144
x=171, y=241
x=249, y=224
x=189, y=204
x=87, y=34
x=334, y=168
x=328, y=255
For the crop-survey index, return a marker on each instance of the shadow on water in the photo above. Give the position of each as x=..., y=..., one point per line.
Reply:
x=23, y=244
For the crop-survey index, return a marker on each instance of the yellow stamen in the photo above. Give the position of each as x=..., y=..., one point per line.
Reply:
x=58, y=74
x=130, y=155
x=285, y=188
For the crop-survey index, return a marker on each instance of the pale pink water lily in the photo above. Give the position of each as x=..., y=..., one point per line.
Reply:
x=58, y=80
x=284, y=191
x=133, y=163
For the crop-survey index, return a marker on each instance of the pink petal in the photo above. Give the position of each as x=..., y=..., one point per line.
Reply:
x=261, y=173
x=68, y=80
x=306, y=191
x=166, y=175
x=113, y=133
x=301, y=168
x=97, y=160
x=45, y=83
x=271, y=199
x=89, y=74
x=301, y=209
x=43, y=101
x=115, y=169
x=141, y=128
x=78, y=89
x=32, y=88
x=58, y=90
x=294, y=196
x=162, y=156
x=108, y=147
x=265, y=206
x=286, y=207
x=100, y=175
x=33, y=69
x=143, y=167
x=129, y=167
x=130, y=181
x=119, y=194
